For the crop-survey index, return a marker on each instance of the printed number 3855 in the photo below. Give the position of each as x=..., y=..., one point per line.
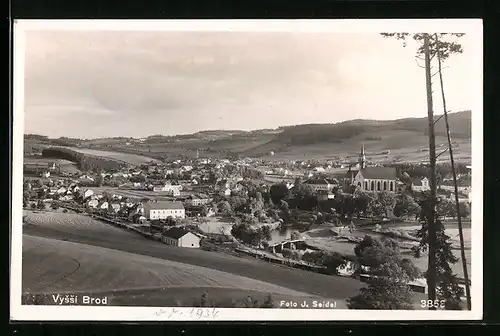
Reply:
x=432, y=304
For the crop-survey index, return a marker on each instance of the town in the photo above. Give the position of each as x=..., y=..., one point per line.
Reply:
x=303, y=214
x=181, y=168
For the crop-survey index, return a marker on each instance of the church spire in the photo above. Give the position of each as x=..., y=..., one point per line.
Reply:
x=362, y=157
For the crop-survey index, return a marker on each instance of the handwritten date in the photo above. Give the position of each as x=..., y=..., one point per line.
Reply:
x=193, y=313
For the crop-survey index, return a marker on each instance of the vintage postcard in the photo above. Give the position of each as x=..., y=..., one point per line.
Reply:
x=259, y=170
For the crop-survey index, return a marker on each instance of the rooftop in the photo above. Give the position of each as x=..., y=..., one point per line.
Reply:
x=386, y=173
x=163, y=205
x=317, y=181
x=175, y=232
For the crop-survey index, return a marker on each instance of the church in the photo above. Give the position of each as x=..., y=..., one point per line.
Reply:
x=372, y=178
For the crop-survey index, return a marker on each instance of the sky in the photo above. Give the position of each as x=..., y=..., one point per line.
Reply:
x=90, y=84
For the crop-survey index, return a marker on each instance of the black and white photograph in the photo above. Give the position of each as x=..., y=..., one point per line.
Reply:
x=247, y=170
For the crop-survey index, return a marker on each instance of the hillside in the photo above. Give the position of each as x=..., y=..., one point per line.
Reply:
x=400, y=137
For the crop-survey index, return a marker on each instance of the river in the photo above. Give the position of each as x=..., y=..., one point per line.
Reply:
x=278, y=235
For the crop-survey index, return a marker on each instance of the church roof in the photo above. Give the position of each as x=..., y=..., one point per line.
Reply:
x=380, y=173
x=351, y=173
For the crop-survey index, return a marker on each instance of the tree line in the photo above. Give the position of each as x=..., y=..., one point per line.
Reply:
x=83, y=161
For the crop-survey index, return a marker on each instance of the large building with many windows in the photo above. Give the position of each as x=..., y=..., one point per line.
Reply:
x=163, y=210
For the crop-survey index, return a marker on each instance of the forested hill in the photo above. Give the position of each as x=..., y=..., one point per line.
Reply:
x=296, y=140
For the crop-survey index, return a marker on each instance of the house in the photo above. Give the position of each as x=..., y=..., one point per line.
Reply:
x=163, y=210
x=420, y=184
x=197, y=200
x=158, y=187
x=323, y=195
x=66, y=198
x=88, y=193
x=319, y=184
x=104, y=205
x=372, y=178
x=222, y=185
x=172, y=190
x=86, y=178
x=62, y=190
x=451, y=188
x=180, y=237
x=114, y=207
x=92, y=203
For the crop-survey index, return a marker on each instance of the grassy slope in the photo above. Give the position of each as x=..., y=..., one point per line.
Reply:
x=51, y=265
x=103, y=235
x=77, y=228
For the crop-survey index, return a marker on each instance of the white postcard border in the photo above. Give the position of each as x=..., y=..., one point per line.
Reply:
x=81, y=313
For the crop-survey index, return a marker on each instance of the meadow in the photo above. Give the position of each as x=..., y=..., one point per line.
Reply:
x=133, y=159
x=56, y=266
x=71, y=252
x=62, y=166
x=402, y=147
x=84, y=230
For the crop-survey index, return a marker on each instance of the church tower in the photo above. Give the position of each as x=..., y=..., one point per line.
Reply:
x=362, y=158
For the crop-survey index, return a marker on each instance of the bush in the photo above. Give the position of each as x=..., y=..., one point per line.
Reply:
x=268, y=303
x=331, y=260
x=389, y=276
x=287, y=253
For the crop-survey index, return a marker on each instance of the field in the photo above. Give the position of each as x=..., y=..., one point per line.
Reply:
x=62, y=166
x=54, y=266
x=82, y=229
x=403, y=147
x=77, y=224
x=133, y=159
x=133, y=270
